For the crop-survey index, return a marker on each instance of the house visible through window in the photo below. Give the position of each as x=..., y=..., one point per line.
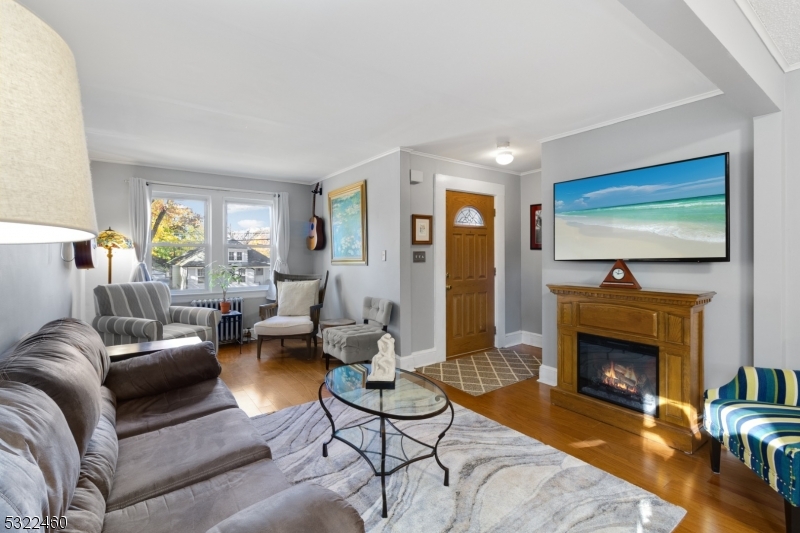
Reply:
x=185, y=239
x=248, y=230
x=179, y=241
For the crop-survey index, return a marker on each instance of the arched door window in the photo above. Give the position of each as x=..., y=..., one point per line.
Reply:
x=469, y=216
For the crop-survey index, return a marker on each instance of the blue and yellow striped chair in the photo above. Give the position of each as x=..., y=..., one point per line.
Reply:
x=756, y=416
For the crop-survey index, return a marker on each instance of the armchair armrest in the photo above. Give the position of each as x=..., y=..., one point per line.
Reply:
x=163, y=371
x=314, y=313
x=142, y=328
x=195, y=316
x=303, y=507
x=267, y=311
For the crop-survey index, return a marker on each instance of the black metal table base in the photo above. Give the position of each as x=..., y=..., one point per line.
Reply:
x=404, y=460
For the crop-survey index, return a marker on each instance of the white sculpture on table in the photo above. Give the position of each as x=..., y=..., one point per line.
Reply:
x=383, y=363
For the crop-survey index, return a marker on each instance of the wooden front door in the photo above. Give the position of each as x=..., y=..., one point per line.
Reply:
x=470, y=272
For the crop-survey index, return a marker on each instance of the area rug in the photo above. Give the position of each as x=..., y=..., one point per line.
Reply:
x=484, y=372
x=500, y=479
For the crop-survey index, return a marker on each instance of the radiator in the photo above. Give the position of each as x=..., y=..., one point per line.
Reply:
x=227, y=331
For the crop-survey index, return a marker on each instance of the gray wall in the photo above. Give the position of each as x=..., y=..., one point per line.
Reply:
x=349, y=284
x=111, y=203
x=35, y=284
x=420, y=202
x=791, y=150
x=530, y=193
x=693, y=130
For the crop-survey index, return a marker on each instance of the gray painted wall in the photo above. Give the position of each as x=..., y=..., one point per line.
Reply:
x=791, y=121
x=530, y=193
x=111, y=203
x=420, y=202
x=35, y=284
x=697, y=129
x=349, y=284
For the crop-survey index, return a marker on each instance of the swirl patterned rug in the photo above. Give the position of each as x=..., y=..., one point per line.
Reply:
x=500, y=480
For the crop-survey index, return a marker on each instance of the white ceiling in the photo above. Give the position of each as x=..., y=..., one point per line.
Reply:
x=778, y=24
x=298, y=90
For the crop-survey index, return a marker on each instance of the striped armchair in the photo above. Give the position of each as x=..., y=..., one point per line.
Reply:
x=756, y=416
x=141, y=312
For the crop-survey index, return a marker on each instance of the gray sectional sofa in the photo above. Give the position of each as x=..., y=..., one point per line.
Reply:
x=150, y=444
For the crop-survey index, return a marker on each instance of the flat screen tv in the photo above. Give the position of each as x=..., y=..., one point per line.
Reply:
x=672, y=212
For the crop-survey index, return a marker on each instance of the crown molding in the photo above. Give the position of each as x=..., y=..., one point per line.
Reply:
x=459, y=162
x=364, y=162
x=179, y=169
x=657, y=109
x=529, y=172
x=755, y=21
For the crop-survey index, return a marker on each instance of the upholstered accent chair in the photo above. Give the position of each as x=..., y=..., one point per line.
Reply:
x=129, y=313
x=756, y=416
x=355, y=344
x=275, y=325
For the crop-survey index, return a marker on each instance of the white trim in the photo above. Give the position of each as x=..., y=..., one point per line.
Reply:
x=442, y=184
x=761, y=30
x=512, y=339
x=532, y=339
x=529, y=172
x=226, y=175
x=548, y=375
x=459, y=162
x=417, y=359
x=364, y=162
x=657, y=109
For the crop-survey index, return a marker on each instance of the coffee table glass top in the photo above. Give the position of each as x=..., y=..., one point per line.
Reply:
x=414, y=396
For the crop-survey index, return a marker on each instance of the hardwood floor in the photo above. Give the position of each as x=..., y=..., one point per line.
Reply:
x=735, y=500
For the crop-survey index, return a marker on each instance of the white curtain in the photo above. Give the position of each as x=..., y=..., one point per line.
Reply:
x=139, y=215
x=281, y=225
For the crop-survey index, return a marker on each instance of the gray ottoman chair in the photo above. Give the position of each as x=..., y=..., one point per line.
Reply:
x=355, y=344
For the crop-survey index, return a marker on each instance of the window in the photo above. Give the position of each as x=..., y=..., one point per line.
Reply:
x=248, y=230
x=469, y=216
x=179, y=241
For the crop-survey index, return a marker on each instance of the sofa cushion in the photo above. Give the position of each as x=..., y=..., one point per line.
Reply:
x=179, y=331
x=295, y=298
x=150, y=413
x=202, y=505
x=161, y=461
x=39, y=459
x=163, y=371
x=50, y=363
x=279, y=326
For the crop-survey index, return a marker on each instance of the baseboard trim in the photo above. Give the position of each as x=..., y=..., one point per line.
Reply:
x=419, y=359
x=548, y=375
x=532, y=339
x=512, y=339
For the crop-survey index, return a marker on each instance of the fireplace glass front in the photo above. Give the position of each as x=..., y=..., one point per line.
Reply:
x=621, y=372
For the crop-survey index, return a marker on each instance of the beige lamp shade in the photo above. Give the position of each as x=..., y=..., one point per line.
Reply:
x=45, y=182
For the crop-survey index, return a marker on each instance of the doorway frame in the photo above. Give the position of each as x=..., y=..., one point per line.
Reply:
x=441, y=184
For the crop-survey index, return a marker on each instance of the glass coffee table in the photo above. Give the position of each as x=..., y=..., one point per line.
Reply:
x=386, y=448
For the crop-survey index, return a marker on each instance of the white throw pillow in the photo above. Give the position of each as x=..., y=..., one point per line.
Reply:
x=295, y=298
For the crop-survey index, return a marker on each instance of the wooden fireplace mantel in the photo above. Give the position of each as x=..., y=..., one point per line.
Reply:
x=672, y=321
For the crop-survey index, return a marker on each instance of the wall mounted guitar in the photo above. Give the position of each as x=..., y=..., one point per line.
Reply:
x=316, y=230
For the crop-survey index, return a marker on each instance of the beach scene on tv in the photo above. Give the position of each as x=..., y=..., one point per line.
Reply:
x=673, y=211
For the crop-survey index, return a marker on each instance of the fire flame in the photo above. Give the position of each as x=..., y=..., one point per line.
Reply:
x=621, y=377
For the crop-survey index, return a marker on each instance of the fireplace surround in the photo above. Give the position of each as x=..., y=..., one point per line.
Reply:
x=654, y=338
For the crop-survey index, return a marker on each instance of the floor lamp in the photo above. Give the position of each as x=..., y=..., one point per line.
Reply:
x=111, y=239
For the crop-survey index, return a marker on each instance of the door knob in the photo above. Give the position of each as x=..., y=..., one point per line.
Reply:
x=448, y=287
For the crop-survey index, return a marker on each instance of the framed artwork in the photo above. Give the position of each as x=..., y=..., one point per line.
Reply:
x=421, y=229
x=347, y=207
x=536, y=227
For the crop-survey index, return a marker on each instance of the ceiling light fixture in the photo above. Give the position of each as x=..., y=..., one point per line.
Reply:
x=504, y=155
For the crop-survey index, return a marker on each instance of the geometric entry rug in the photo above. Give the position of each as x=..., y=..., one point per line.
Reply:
x=484, y=372
x=500, y=479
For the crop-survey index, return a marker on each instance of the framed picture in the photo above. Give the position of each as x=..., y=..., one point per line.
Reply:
x=347, y=207
x=536, y=227
x=421, y=229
